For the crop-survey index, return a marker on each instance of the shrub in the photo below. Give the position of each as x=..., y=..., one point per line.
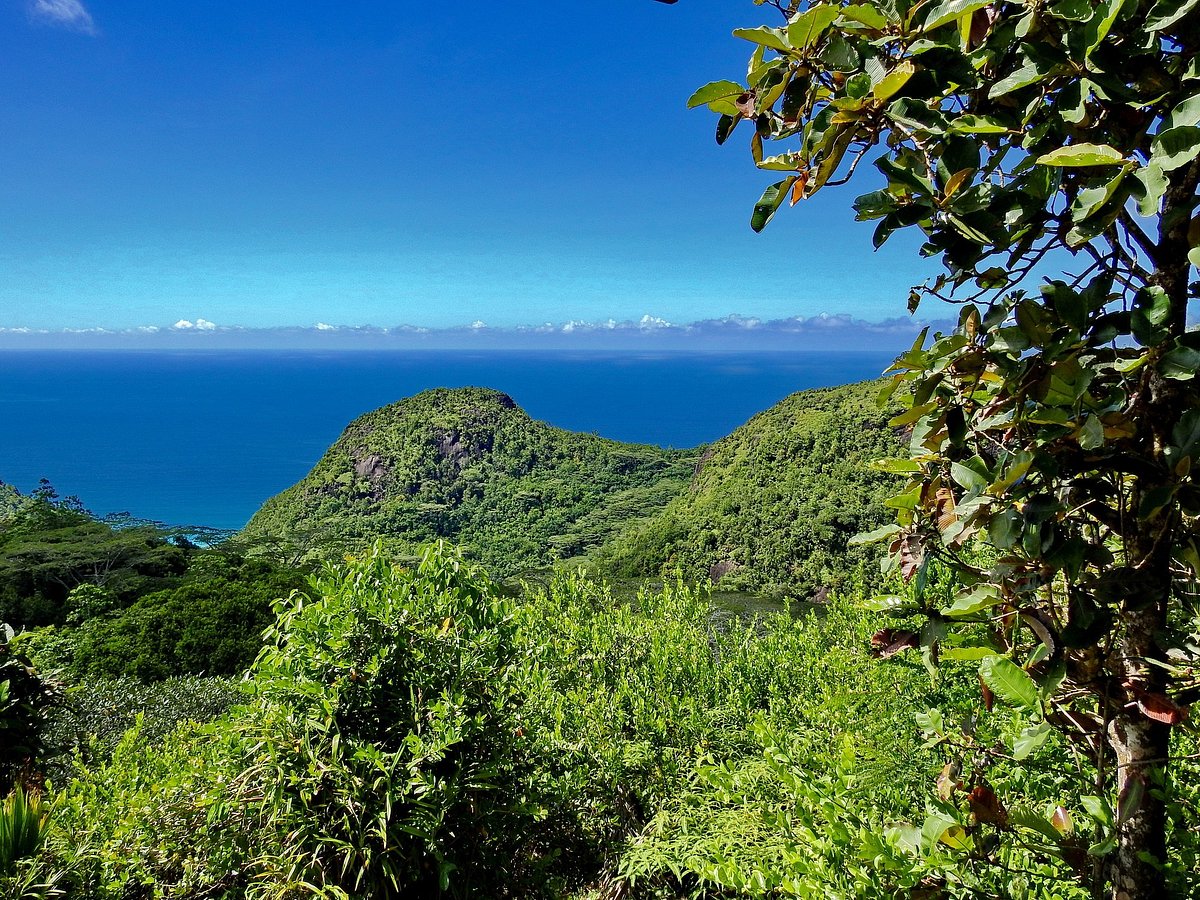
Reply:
x=385, y=747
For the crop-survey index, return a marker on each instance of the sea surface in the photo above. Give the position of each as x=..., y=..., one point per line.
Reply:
x=203, y=438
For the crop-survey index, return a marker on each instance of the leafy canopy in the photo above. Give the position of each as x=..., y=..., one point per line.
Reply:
x=1053, y=434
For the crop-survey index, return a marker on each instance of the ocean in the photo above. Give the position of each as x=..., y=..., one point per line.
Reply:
x=203, y=438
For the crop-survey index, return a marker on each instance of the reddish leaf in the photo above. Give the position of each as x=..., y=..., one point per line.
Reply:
x=986, y=807
x=798, y=188
x=981, y=24
x=1061, y=820
x=989, y=699
x=889, y=642
x=911, y=555
x=745, y=104
x=944, y=508
x=1161, y=708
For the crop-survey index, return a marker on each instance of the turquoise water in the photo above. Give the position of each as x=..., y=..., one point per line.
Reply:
x=205, y=438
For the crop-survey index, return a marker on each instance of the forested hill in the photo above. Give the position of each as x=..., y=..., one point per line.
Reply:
x=773, y=505
x=469, y=465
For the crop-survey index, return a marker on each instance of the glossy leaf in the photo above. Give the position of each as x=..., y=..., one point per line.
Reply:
x=1009, y=682
x=1082, y=155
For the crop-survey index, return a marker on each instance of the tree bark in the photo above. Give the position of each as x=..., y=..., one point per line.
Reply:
x=1141, y=747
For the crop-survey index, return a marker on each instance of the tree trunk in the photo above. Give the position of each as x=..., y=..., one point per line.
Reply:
x=1140, y=746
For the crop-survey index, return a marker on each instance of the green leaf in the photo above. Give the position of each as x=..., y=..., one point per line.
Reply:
x=893, y=81
x=1166, y=13
x=1072, y=10
x=1180, y=363
x=1175, y=147
x=916, y=412
x=763, y=36
x=1187, y=112
x=872, y=537
x=971, y=124
x=975, y=600
x=1152, y=182
x=1030, y=740
x=1101, y=23
x=1065, y=383
x=1082, y=155
x=806, y=28
x=1091, y=433
x=714, y=90
x=1009, y=682
x=967, y=654
x=968, y=478
x=865, y=14
x=1092, y=200
x=725, y=126
x=1029, y=73
x=951, y=10
x=1150, y=315
x=896, y=466
x=770, y=201
x=1099, y=809
x=784, y=162
x=1185, y=438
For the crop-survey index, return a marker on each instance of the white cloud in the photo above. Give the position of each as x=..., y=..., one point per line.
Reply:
x=65, y=13
x=478, y=324
x=198, y=325
x=649, y=321
x=324, y=326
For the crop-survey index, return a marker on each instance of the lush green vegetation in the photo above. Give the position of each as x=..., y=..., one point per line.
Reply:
x=103, y=602
x=469, y=466
x=1055, y=432
x=770, y=508
x=412, y=731
x=773, y=506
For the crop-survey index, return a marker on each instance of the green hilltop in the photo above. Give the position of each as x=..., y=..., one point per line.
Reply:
x=770, y=507
x=469, y=465
x=773, y=505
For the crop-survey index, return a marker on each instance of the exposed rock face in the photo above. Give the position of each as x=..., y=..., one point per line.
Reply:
x=371, y=467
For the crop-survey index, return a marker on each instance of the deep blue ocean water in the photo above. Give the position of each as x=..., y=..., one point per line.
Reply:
x=205, y=438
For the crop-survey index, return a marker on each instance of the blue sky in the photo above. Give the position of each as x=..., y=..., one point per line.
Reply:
x=263, y=164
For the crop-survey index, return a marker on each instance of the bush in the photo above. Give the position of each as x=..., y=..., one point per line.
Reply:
x=26, y=699
x=386, y=744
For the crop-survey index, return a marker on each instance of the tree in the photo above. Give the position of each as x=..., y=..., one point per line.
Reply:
x=1055, y=434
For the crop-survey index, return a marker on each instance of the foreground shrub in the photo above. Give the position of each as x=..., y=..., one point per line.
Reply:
x=383, y=744
x=26, y=700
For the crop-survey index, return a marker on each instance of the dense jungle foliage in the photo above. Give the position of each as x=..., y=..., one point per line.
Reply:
x=469, y=466
x=110, y=602
x=773, y=506
x=410, y=730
